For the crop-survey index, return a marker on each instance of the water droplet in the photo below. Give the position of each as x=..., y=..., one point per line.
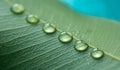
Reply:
x=49, y=28
x=32, y=19
x=65, y=37
x=17, y=9
x=97, y=54
x=80, y=46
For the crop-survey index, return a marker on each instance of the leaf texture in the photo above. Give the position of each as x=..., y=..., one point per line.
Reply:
x=26, y=47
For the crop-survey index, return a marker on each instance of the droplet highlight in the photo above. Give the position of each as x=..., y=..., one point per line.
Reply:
x=49, y=28
x=80, y=46
x=17, y=9
x=32, y=19
x=65, y=37
x=97, y=54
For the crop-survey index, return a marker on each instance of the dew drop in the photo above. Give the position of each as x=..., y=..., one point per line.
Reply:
x=32, y=19
x=80, y=46
x=49, y=28
x=17, y=9
x=97, y=54
x=65, y=37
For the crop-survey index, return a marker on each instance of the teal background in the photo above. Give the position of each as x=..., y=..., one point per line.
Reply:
x=101, y=8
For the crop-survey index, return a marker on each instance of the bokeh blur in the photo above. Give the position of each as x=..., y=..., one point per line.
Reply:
x=109, y=9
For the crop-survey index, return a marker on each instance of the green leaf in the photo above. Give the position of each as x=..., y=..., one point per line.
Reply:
x=98, y=32
x=26, y=47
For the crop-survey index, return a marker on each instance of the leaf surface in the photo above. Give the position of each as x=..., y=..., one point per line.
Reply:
x=26, y=47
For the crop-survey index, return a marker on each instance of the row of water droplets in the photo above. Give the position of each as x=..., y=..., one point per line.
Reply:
x=63, y=37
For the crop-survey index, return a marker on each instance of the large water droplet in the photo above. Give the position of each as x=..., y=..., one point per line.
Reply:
x=65, y=37
x=97, y=54
x=49, y=28
x=17, y=9
x=80, y=46
x=32, y=19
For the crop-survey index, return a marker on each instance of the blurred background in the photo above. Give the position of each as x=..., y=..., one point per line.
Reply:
x=109, y=9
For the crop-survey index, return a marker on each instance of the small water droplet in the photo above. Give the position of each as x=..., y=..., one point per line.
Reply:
x=80, y=46
x=32, y=19
x=65, y=37
x=97, y=54
x=17, y=9
x=49, y=28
